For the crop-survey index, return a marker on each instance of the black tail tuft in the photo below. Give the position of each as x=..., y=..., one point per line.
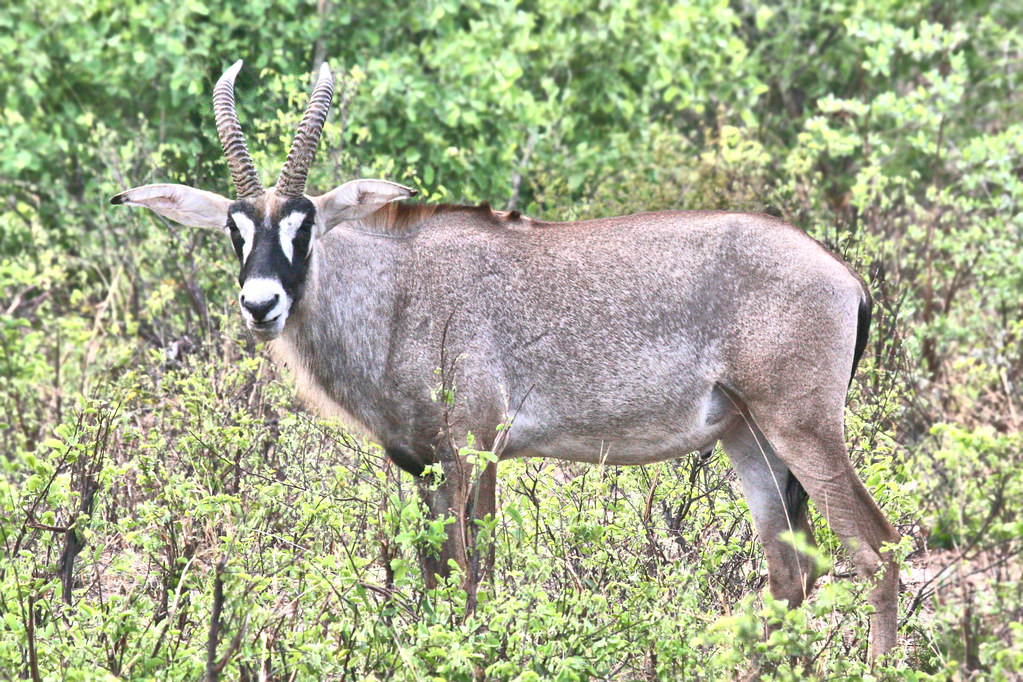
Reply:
x=862, y=330
x=795, y=500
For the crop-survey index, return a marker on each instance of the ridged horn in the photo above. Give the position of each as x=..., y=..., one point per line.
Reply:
x=243, y=170
x=291, y=182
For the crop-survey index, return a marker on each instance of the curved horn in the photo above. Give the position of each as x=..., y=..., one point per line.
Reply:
x=291, y=182
x=243, y=170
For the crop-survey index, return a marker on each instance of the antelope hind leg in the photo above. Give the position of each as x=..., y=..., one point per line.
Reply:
x=815, y=451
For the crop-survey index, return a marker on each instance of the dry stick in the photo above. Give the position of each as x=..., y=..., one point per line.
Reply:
x=58, y=394
x=30, y=516
x=16, y=301
x=98, y=334
x=169, y=618
x=1008, y=394
x=320, y=53
x=212, y=669
x=517, y=175
x=235, y=644
x=447, y=389
x=87, y=470
x=653, y=551
x=27, y=617
x=500, y=441
x=342, y=97
x=30, y=628
x=195, y=294
x=922, y=593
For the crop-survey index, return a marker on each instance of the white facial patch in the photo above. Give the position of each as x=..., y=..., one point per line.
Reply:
x=262, y=290
x=247, y=230
x=288, y=227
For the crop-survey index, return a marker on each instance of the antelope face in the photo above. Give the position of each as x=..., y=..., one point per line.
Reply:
x=274, y=250
x=272, y=230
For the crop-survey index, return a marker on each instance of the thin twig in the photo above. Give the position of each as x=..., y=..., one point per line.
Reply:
x=212, y=669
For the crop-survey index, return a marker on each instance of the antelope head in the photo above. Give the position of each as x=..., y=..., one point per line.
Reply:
x=273, y=230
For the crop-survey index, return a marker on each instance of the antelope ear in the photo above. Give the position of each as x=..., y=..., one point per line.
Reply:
x=357, y=199
x=185, y=205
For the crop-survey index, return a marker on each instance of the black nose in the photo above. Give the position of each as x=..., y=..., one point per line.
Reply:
x=259, y=309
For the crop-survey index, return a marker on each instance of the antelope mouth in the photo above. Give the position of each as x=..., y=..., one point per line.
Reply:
x=267, y=330
x=266, y=324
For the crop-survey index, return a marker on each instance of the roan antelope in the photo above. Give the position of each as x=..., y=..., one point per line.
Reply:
x=622, y=340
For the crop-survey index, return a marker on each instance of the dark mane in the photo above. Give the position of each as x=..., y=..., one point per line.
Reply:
x=402, y=217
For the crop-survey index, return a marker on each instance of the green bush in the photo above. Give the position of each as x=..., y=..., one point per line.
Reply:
x=153, y=459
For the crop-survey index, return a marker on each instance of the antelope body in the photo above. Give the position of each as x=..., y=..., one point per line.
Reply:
x=622, y=340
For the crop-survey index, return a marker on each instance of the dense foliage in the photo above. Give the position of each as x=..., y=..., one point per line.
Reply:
x=156, y=467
